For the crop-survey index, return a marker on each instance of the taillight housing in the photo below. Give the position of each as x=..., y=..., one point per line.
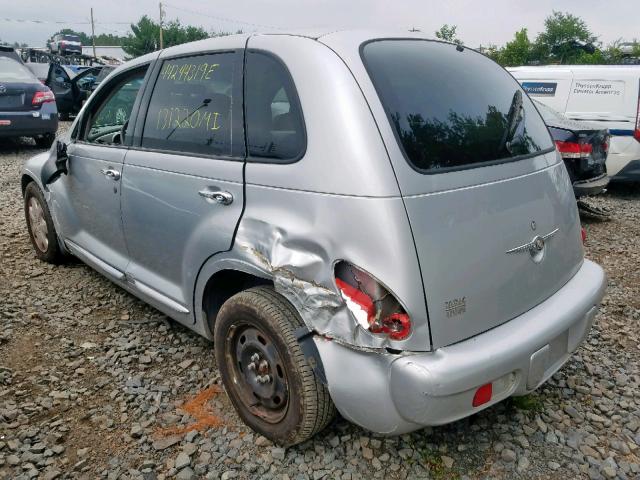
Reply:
x=574, y=149
x=43, y=96
x=374, y=307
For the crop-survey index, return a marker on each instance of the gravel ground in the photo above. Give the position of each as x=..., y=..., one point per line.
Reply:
x=95, y=384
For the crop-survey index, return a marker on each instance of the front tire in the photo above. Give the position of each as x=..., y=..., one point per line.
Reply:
x=40, y=225
x=265, y=373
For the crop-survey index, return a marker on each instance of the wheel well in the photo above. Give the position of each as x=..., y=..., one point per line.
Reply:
x=222, y=286
x=24, y=181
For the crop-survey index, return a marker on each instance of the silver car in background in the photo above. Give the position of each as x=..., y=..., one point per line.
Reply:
x=380, y=223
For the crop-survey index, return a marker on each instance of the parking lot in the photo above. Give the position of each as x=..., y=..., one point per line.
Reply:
x=95, y=384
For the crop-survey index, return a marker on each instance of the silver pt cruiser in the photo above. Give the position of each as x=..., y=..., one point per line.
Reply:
x=376, y=223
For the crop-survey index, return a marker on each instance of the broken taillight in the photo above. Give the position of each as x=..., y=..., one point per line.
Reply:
x=372, y=305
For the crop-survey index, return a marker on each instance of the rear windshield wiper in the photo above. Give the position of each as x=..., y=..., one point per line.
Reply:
x=514, y=119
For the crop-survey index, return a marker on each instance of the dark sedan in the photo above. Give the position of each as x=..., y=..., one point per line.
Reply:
x=583, y=147
x=27, y=107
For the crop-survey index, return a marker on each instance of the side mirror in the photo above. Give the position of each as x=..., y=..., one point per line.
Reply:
x=53, y=169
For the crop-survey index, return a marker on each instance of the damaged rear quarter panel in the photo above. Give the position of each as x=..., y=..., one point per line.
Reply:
x=296, y=237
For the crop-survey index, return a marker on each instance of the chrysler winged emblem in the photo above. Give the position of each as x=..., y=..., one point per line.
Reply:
x=535, y=247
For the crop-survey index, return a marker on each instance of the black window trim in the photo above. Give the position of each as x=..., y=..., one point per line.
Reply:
x=397, y=137
x=295, y=100
x=144, y=109
x=104, y=96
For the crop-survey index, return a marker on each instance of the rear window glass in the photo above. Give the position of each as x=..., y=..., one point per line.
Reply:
x=452, y=109
x=12, y=71
x=71, y=38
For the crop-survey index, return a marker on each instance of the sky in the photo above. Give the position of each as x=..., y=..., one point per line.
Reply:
x=479, y=23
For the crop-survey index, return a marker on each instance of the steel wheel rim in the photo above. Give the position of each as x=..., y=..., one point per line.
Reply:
x=38, y=224
x=266, y=397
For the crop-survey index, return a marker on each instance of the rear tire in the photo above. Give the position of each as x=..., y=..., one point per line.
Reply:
x=269, y=381
x=40, y=225
x=45, y=141
x=63, y=116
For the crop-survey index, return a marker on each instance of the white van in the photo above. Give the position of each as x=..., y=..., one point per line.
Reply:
x=605, y=95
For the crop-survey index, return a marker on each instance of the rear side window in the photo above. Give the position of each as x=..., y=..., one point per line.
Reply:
x=275, y=129
x=192, y=106
x=452, y=109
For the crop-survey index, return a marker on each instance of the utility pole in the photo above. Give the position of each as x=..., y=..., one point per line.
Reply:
x=161, y=15
x=93, y=34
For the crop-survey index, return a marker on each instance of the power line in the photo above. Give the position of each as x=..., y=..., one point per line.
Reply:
x=223, y=19
x=66, y=22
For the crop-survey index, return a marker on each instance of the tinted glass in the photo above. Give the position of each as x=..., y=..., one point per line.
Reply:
x=450, y=108
x=191, y=108
x=12, y=71
x=71, y=38
x=275, y=129
x=111, y=115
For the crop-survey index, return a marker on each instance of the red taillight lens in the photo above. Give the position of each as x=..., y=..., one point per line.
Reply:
x=373, y=306
x=574, y=149
x=42, y=97
x=397, y=326
x=583, y=235
x=483, y=395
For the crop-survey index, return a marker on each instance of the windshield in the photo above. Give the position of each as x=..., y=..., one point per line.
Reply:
x=450, y=107
x=12, y=71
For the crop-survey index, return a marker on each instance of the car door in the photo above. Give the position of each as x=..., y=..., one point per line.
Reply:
x=60, y=84
x=182, y=190
x=90, y=192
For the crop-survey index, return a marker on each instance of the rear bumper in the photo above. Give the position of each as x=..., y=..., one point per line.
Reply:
x=394, y=394
x=26, y=124
x=593, y=186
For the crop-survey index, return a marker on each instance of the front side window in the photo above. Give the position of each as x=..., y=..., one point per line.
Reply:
x=192, y=105
x=109, y=118
x=275, y=129
x=452, y=108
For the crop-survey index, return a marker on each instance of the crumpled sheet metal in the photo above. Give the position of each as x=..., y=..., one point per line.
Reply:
x=302, y=272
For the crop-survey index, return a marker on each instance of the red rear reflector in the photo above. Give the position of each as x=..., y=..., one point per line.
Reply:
x=583, y=234
x=5, y=123
x=483, y=395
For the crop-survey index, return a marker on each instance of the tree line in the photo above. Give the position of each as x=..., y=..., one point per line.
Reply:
x=145, y=36
x=566, y=39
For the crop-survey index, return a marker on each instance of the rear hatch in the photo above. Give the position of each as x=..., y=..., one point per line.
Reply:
x=17, y=86
x=491, y=207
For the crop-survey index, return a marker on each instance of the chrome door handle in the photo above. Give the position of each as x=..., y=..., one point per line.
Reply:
x=111, y=173
x=218, y=196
